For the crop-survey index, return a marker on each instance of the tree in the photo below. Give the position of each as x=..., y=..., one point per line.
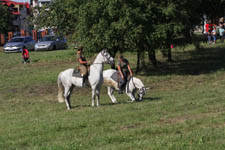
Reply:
x=213, y=9
x=122, y=25
x=60, y=15
x=5, y=19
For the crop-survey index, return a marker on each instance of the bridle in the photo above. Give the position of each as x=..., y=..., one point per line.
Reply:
x=141, y=90
x=104, y=56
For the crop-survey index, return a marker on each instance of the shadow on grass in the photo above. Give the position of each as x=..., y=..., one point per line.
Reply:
x=80, y=106
x=89, y=106
x=136, y=101
x=196, y=62
x=149, y=99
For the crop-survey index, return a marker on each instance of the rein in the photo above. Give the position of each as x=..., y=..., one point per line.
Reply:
x=133, y=82
x=140, y=89
x=102, y=62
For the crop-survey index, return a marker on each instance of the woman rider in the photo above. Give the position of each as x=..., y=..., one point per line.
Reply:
x=83, y=64
x=124, y=71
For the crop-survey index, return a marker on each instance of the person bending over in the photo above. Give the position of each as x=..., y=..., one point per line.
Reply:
x=124, y=71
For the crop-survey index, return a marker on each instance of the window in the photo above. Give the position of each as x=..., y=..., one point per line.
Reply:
x=29, y=39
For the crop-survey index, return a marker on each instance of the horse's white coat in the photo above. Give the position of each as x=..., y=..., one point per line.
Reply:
x=131, y=86
x=66, y=81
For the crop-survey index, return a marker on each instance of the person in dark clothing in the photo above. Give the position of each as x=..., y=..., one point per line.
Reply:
x=124, y=71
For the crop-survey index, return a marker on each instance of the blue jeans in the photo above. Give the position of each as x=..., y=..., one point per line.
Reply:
x=214, y=38
x=209, y=38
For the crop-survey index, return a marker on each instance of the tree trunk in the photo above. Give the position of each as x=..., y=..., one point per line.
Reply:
x=164, y=52
x=152, y=57
x=138, y=61
x=169, y=54
x=142, y=57
x=114, y=51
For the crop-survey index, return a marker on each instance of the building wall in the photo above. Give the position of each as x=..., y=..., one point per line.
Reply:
x=20, y=12
x=40, y=3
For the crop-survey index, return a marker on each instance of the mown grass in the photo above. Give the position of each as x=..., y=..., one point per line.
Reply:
x=184, y=108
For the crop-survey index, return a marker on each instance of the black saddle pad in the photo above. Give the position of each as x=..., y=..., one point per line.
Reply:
x=76, y=73
x=116, y=77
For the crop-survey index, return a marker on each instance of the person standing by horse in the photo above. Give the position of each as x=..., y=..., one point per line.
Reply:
x=83, y=64
x=209, y=28
x=25, y=55
x=125, y=72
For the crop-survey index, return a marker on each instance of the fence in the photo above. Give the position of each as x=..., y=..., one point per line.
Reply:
x=35, y=34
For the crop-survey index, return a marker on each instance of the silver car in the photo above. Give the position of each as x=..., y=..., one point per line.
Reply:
x=17, y=43
x=51, y=43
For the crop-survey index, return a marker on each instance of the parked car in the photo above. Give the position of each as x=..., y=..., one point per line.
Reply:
x=51, y=43
x=17, y=34
x=17, y=43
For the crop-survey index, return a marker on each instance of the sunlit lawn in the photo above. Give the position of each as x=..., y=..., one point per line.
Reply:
x=184, y=108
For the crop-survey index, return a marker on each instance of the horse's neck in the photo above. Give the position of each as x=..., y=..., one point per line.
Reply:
x=98, y=63
x=98, y=59
x=137, y=83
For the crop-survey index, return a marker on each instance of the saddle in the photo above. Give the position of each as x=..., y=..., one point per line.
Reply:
x=117, y=78
x=76, y=73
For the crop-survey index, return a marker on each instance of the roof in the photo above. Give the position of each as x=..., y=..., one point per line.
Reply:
x=10, y=2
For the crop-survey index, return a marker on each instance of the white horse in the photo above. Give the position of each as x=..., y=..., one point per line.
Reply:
x=111, y=81
x=66, y=80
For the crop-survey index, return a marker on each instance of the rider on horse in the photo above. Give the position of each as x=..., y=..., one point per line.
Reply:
x=83, y=64
x=124, y=71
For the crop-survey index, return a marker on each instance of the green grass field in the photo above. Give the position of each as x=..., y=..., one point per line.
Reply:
x=184, y=108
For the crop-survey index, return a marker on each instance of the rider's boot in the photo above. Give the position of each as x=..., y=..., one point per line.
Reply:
x=85, y=81
x=120, y=89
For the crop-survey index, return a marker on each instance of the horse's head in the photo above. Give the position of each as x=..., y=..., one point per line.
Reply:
x=107, y=57
x=142, y=92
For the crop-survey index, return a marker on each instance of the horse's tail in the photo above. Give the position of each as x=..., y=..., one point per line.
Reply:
x=60, y=89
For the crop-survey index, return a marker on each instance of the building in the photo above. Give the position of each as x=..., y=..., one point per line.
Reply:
x=40, y=3
x=20, y=11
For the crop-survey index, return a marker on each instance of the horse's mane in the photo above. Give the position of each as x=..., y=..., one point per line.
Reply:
x=138, y=83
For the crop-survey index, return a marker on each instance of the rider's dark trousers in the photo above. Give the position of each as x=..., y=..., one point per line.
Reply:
x=123, y=82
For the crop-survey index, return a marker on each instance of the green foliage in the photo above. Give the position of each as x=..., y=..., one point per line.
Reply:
x=117, y=24
x=5, y=19
x=60, y=15
x=132, y=25
x=213, y=9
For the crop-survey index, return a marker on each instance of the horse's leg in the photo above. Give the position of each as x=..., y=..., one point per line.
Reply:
x=61, y=98
x=67, y=97
x=70, y=93
x=130, y=94
x=110, y=92
x=115, y=101
x=98, y=96
x=93, y=97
